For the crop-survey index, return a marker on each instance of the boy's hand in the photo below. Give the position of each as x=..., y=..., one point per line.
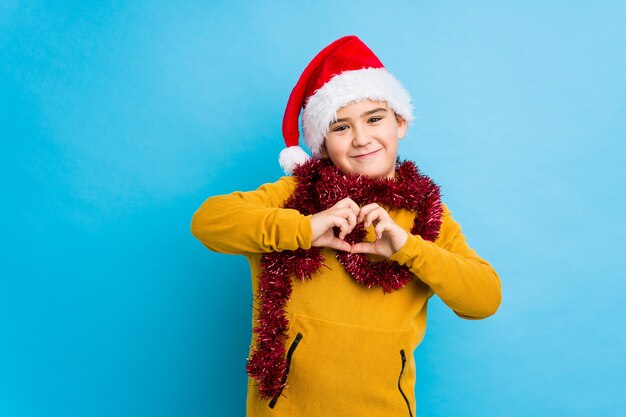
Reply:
x=342, y=215
x=389, y=236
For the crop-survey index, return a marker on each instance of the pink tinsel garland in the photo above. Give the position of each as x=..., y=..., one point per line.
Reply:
x=320, y=186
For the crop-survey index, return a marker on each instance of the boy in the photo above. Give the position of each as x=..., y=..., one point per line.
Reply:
x=346, y=252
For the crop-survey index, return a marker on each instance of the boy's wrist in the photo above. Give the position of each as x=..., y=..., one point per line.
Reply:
x=409, y=251
x=306, y=232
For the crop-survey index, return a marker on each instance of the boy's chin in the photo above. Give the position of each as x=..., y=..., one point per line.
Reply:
x=373, y=174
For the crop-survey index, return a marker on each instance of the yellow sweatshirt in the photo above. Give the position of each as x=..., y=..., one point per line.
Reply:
x=350, y=348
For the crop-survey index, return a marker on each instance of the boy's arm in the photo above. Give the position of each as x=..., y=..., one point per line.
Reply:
x=252, y=222
x=463, y=280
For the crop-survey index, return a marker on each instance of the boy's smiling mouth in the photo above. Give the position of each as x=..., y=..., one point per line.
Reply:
x=365, y=155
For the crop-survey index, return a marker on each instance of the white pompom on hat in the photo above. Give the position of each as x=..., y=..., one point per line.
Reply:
x=344, y=72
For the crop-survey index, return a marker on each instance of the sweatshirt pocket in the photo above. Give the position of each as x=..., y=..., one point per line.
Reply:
x=290, y=352
x=347, y=370
x=406, y=399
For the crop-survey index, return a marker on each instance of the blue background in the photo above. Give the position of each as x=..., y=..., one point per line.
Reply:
x=118, y=119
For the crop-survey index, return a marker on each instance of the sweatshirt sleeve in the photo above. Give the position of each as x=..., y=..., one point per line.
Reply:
x=463, y=280
x=252, y=222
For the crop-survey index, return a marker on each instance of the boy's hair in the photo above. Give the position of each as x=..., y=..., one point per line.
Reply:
x=344, y=72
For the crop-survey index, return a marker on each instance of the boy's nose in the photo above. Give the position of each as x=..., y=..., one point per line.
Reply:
x=360, y=138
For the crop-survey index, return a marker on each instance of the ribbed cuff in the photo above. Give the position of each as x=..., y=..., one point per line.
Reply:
x=409, y=252
x=294, y=231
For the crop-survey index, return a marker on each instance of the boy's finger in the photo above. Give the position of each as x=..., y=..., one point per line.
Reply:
x=366, y=209
x=362, y=212
x=348, y=203
x=339, y=244
x=364, y=247
x=369, y=209
x=352, y=220
x=348, y=214
x=342, y=224
x=343, y=231
x=377, y=214
x=380, y=228
x=345, y=225
x=370, y=206
x=353, y=206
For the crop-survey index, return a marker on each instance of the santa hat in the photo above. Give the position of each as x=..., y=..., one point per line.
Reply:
x=344, y=72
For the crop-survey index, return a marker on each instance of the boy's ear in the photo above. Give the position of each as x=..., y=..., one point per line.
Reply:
x=402, y=126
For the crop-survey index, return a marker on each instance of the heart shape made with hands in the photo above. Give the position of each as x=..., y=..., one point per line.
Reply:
x=319, y=186
x=386, y=274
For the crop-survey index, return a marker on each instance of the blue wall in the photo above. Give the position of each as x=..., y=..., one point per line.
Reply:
x=117, y=120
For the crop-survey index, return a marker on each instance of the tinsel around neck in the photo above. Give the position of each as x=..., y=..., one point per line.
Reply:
x=319, y=186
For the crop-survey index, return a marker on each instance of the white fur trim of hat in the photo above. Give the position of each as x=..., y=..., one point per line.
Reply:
x=350, y=87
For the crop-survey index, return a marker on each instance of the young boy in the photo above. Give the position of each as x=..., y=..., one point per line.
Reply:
x=346, y=252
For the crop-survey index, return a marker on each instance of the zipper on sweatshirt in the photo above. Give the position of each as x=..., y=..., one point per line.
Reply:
x=292, y=348
x=403, y=357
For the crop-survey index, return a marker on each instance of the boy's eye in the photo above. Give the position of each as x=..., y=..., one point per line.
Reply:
x=339, y=128
x=375, y=119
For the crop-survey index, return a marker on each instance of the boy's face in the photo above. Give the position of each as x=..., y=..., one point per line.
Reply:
x=364, y=139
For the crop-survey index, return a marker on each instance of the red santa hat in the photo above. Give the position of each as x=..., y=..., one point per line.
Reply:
x=344, y=72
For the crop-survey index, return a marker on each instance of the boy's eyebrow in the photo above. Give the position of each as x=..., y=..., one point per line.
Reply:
x=367, y=113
